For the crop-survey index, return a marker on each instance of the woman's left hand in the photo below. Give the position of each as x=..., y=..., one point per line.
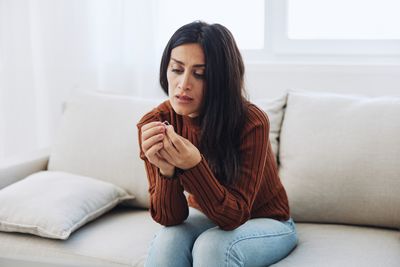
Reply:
x=179, y=151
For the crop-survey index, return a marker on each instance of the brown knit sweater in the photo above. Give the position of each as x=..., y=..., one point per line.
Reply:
x=258, y=192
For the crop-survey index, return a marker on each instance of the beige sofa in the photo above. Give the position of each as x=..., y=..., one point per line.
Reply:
x=339, y=159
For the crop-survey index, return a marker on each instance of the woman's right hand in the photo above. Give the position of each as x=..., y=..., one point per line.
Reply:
x=153, y=134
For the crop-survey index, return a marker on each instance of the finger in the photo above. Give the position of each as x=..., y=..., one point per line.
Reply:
x=151, y=125
x=147, y=144
x=165, y=155
x=175, y=138
x=159, y=161
x=185, y=141
x=151, y=153
x=167, y=141
x=169, y=147
x=152, y=131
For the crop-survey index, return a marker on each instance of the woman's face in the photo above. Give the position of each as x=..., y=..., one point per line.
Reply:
x=185, y=77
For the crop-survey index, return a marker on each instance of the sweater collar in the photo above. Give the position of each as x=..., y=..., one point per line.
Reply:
x=191, y=123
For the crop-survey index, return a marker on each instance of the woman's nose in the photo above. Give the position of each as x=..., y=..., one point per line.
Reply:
x=185, y=81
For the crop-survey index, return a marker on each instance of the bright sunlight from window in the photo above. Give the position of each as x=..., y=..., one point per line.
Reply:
x=244, y=20
x=344, y=19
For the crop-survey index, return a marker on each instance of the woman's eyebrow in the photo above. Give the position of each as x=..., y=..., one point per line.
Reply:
x=181, y=63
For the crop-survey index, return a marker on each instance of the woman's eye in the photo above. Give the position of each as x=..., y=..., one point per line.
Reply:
x=177, y=70
x=199, y=75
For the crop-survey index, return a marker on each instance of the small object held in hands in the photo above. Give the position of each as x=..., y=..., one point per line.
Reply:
x=166, y=123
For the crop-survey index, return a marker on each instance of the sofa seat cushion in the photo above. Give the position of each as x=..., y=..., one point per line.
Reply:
x=331, y=245
x=119, y=238
x=122, y=238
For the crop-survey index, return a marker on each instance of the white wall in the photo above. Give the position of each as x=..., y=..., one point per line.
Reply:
x=270, y=80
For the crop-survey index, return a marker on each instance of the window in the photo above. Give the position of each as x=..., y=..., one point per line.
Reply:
x=344, y=19
x=340, y=27
x=294, y=30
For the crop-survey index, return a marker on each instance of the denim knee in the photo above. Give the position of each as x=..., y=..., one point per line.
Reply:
x=249, y=245
x=211, y=249
x=171, y=246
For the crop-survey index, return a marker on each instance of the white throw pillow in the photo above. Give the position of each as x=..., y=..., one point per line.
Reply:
x=54, y=204
x=339, y=158
x=275, y=108
x=98, y=138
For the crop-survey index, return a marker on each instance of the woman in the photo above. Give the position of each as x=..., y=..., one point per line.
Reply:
x=209, y=141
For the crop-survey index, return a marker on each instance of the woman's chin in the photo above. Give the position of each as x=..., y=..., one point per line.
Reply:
x=181, y=111
x=184, y=111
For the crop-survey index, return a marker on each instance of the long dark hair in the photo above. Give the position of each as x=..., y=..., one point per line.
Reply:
x=223, y=111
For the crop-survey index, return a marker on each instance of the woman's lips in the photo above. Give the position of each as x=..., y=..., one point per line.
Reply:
x=184, y=99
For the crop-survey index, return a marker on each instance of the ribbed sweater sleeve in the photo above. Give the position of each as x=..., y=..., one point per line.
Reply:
x=230, y=206
x=168, y=204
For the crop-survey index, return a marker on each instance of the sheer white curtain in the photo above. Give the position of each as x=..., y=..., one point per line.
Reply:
x=52, y=48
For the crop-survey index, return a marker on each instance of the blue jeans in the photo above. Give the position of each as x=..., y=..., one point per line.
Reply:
x=199, y=242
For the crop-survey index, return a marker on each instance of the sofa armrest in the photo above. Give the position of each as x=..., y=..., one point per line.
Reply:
x=16, y=168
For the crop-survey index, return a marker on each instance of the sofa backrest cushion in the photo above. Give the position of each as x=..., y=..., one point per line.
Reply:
x=97, y=137
x=340, y=158
x=274, y=108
